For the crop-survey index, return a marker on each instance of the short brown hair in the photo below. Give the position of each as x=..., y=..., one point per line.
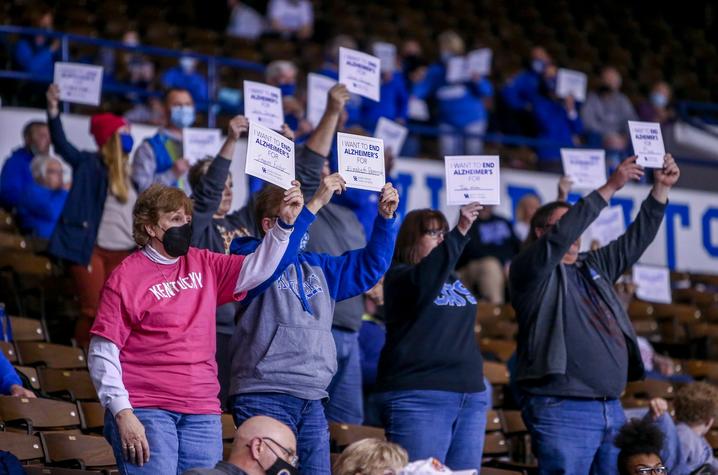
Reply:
x=267, y=204
x=368, y=456
x=155, y=200
x=541, y=218
x=416, y=224
x=696, y=403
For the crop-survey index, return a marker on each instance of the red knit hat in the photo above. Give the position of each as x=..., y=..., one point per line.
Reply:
x=102, y=126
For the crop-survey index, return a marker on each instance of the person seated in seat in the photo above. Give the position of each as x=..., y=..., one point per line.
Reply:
x=640, y=443
x=371, y=457
x=262, y=445
x=16, y=176
x=41, y=206
x=10, y=382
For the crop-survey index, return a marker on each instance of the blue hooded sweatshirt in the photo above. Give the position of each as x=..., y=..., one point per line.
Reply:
x=283, y=341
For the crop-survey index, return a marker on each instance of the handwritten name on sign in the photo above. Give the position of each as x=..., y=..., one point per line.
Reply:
x=361, y=161
x=472, y=178
x=270, y=156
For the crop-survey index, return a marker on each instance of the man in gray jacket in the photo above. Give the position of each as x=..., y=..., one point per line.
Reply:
x=576, y=346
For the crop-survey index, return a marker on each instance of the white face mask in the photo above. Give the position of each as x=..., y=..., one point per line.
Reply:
x=188, y=64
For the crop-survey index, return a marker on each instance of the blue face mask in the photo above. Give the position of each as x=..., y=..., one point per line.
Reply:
x=659, y=100
x=538, y=66
x=288, y=89
x=127, y=143
x=182, y=116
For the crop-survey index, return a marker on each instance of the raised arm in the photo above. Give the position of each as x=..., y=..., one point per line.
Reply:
x=208, y=195
x=357, y=271
x=320, y=141
x=538, y=260
x=625, y=251
x=62, y=146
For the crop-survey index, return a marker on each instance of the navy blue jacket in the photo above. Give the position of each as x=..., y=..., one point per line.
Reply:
x=76, y=231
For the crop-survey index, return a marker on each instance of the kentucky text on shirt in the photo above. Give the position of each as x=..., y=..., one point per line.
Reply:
x=166, y=290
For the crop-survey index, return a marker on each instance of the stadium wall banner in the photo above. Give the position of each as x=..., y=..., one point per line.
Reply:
x=687, y=240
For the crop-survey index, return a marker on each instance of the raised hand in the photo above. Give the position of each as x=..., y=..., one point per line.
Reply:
x=330, y=185
x=237, y=126
x=53, y=100
x=287, y=132
x=388, y=201
x=135, y=448
x=338, y=98
x=292, y=204
x=467, y=216
x=627, y=170
x=564, y=187
x=658, y=406
x=665, y=178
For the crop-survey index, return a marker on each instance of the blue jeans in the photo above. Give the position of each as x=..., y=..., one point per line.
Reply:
x=442, y=424
x=177, y=441
x=573, y=436
x=305, y=418
x=346, y=403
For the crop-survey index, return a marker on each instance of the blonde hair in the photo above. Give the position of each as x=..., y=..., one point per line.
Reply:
x=118, y=169
x=451, y=42
x=370, y=457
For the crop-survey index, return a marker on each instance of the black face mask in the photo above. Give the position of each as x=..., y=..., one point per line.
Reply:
x=176, y=240
x=281, y=467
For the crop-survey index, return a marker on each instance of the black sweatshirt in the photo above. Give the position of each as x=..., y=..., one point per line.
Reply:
x=430, y=342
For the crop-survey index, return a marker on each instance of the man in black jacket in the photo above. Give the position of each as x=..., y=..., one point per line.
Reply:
x=576, y=346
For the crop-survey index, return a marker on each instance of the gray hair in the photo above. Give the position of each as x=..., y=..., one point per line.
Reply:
x=38, y=166
x=275, y=68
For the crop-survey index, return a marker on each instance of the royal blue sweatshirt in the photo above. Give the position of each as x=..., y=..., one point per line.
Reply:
x=461, y=103
x=8, y=376
x=38, y=60
x=392, y=105
x=15, y=178
x=283, y=341
x=520, y=91
x=555, y=125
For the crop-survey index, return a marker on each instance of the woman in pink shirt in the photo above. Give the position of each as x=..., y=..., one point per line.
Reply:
x=153, y=342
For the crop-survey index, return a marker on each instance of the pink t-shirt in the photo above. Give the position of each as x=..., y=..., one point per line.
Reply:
x=162, y=318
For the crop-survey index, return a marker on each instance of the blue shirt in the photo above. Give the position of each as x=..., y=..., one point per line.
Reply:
x=8, y=376
x=195, y=83
x=555, y=125
x=520, y=91
x=392, y=105
x=15, y=177
x=38, y=60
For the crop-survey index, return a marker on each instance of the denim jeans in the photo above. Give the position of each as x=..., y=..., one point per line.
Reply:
x=346, y=402
x=305, y=418
x=453, y=142
x=177, y=441
x=573, y=436
x=442, y=424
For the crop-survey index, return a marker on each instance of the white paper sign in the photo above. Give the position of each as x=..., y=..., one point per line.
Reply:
x=585, y=167
x=472, y=178
x=456, y=69
x=270, y=156
x=392, y=134
x=79, y=83
x=386, y=52
x=360, y=73
x=200, y=143
x=653, y=284
x=647, y=141
x=608, y=226
x=479, y=62
x=361, y=161
x=263, y=104
x=417, y=109
x=318, y=87
x=571, y=83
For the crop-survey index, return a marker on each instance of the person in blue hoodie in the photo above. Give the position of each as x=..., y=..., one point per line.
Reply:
x=37, y=54
x=330, y=69
x=10, y=382
x=393, y=102
x=284, y=355
x=460, y=99
x=16, y=176
x=557, y=121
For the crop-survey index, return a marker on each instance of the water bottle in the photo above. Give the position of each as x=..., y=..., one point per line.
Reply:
x=5, y=329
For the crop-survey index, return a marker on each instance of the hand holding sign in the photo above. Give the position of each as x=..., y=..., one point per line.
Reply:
x=627, y=170
x=292, y=203
x=388, y=201
x=79, y=83
x=647, y=141
x=53, y=100
x=669, y=174
x=467, y=215
x=330, y=185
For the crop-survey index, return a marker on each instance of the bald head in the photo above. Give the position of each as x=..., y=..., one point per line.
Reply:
x=265, y=427
x=259, y=441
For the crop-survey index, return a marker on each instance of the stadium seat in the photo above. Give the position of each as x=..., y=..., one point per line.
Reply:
x=31, y=374
x=493, y=421
x=342, y=435
x=10, y=242
x=65, y=383
x=8, y=349
x=90, y=451
x=498, y=471
x=228, y=427
x=649, y=389
x=38, y=414
x=495, y=445
x=496, y=373
x=27, y=329
x=51, y=355
x=502, y=349
x=640, y=310
x=25, y=447
x=92, y=416
x=702, y=369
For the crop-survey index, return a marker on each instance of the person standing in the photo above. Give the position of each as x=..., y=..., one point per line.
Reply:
x=430, y=383
x=576, y=346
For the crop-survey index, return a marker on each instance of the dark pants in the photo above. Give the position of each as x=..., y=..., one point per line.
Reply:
x=223, y=355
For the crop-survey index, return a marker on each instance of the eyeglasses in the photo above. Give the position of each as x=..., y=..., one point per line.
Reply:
x=291, y=457
x=657, y=470
x=435, y=233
